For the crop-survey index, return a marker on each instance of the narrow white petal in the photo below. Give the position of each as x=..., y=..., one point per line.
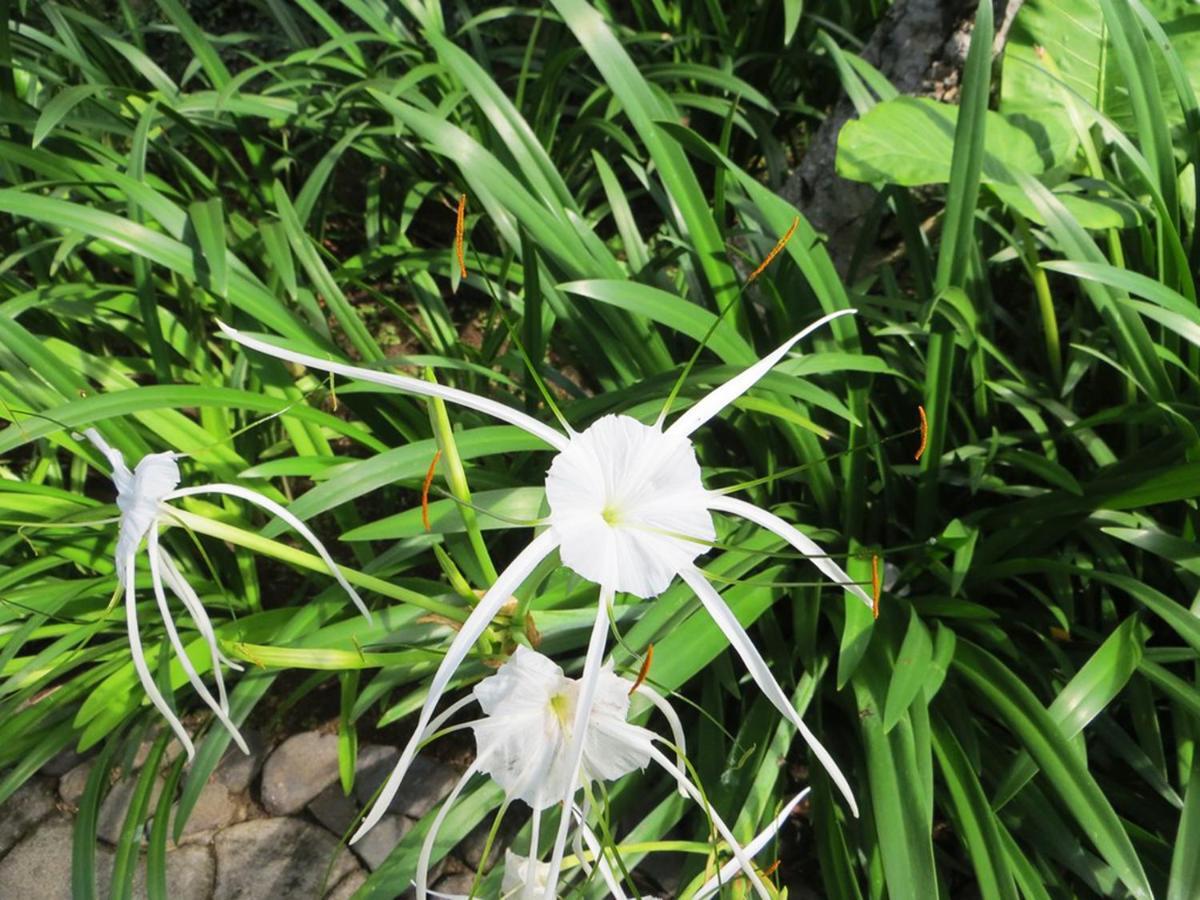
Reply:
x=447, y=714
x=191, y=601
x=143, y=670
x=793, y=536
x=744, y=647
x=764, y=837
x=275, y=509
x=673, y=721
x=719, y=398
x=479, y=619
x=421, y=881
x=739, y=855
x=593, y=845
x=528, y=887
x=583, y=711
x=220, y=711
x=121, y=475
x=409, y=386
x=581, y=815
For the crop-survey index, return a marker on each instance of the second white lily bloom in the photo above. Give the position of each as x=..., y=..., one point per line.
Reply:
x=524, y=742
x=141, y=498
x=628, y=511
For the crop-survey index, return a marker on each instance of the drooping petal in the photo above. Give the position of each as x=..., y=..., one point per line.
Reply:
x=275, y=509
x=421, y=882
x=479, y=619
x=579, y=732
x=219, y=710
x=408, y=385
x=529, y=888
x=179, y=586
x=793, y=536
x=143, y=670
x=593, y=845
x=121, y=475
x=764, y=837
x=673, y=721
x=759, y=671
x=739, y=854
x=719, y=398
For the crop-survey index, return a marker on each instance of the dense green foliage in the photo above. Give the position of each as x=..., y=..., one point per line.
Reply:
x=1023, y=715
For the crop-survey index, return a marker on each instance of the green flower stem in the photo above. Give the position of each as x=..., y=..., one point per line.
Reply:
x=312, y=562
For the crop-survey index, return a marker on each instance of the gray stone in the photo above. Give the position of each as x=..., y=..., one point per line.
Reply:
x=456, y=883
x=470, y=848
x=265, y=859
x=39, y=868
x=64, y=762
x=190, y=871
x=237, y=770
x=345, y=888
x=299, y=769
x=71, y=785
x=426, y=784
x=334, y=810
x=215, y=808
x=32, y=802
x=374, y=846
x=115, y=806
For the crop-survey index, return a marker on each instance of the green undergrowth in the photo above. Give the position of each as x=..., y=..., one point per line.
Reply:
x=1020, y=720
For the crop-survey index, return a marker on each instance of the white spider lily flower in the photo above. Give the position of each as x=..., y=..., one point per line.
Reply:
x=629, y=511
x=525, y=742
x=141, y=498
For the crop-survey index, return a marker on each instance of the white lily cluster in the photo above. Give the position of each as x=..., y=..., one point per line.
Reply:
x=142, y=496
x=629, y=512
x=530, y=720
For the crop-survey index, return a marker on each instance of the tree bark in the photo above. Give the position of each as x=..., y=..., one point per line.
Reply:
x=921, y=46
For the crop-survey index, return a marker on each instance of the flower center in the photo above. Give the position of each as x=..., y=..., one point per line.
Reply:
x=560, y=705
x=628, y=506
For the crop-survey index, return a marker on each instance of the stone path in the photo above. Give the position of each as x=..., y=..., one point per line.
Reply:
x=265, y=827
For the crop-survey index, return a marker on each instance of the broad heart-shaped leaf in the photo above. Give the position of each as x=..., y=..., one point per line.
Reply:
x=910, y=141
x=1072, y=34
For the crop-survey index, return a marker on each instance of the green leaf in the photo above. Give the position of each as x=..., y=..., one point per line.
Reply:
x=909, y=672
x=911, y=141
x=1014, y=704
x=1086, y=695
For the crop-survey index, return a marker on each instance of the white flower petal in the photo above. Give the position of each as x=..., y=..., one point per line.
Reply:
x=764, y=837
x=523, y=876
x=793, y=536
x=673, y=721
x=744, y=647
x=606, y=873
x=421, y=881
x=628, y=505
x=581, y=728
x=708, y=406
x=138, y=495
x=121, y=475
x=143, y=670
x=739, y=854
x=479, y=619
x=409, y=386
x=178, y=584
x=275, y=509
x=185, y=661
